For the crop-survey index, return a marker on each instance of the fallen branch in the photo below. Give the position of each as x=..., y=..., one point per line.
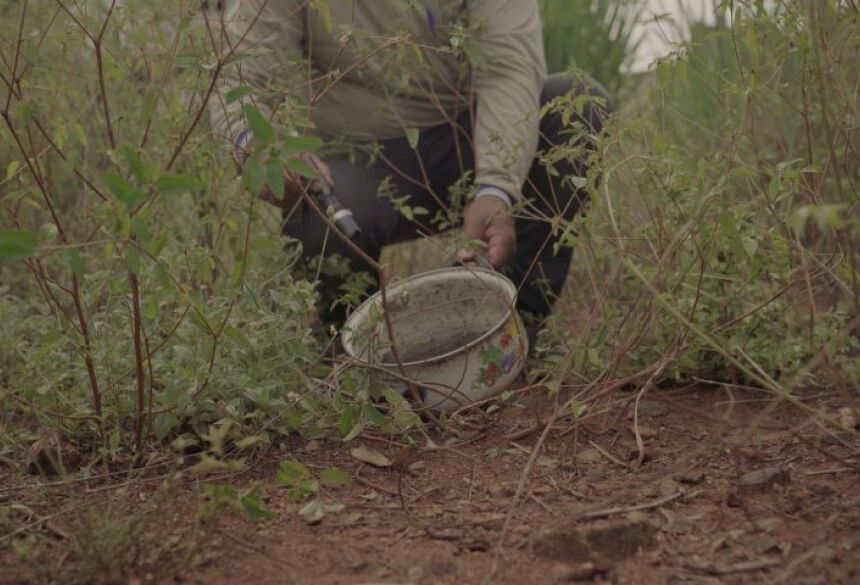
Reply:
x=624, y=510
x=609, y=455
x=745, y=567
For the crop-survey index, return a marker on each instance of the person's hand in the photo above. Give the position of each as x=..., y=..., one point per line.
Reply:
x=294, y=184
x=488, y=219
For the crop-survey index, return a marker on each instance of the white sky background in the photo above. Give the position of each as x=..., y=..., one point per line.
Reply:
x=660, y=36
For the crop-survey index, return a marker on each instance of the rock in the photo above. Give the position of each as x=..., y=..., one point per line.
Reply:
x=645, y=432
x=444, y=533
x=663, y=488
x=823, y=552
x=356, y=567
x=677, y=523
x=350, y=519
x=475, y=545
x=491, y=521
x=761, y=543
x=522, y=530
x=769, y=524
x=588, y=457
x=693, y=477
x=649, y=490
x=587, y=571
x=415, y=575
x=651, y=409
x=633, y=454
x=614, y=540
x=766, y=477
x=502, y=490
x=668, y=486
x=847, y=417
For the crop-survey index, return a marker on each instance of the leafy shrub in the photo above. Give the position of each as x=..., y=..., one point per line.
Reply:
x=150, y=294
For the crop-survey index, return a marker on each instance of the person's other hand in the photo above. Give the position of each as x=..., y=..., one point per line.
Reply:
x=322, y=168
x=488, y=219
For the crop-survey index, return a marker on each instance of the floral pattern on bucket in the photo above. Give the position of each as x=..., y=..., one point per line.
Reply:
x=499, y=360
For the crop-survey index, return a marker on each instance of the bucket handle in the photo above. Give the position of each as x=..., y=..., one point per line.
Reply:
x=480, y=260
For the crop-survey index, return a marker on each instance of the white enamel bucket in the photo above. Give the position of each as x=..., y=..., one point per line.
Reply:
x=456, y=331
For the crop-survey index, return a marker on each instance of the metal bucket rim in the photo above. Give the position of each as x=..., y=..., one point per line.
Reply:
x=348, y=346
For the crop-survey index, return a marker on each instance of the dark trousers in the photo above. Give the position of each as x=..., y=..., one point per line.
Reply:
x=426, y=173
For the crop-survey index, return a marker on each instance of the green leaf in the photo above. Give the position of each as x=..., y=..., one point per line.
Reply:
x=303, y=490
x=127, y=195
x=16, y=245
x=253, y=508
x=302, y=143
x=275, y=179
x=163, y=424
x=132, y=259
x=254, y=175
x=134, y=162
x=180, y=183
x=291, y=472
x=237, y=57
x=220, y=492
x=347, y=420
x=259, y=125
x=302, y=168
x=156, y=244
x=12, y=169
x=236, y=94
x=413, y=135
x=76, y=263
x=334, y=477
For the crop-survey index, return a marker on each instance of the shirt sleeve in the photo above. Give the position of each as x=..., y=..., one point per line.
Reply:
x=267, y=36
x=507, y=78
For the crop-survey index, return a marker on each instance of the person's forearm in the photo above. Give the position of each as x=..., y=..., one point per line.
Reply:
x=507, y=79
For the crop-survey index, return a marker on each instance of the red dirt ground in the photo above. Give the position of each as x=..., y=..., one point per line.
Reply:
x=697, y=522
x=804, y=527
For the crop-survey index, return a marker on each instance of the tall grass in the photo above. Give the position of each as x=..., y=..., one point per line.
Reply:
x=596, y=36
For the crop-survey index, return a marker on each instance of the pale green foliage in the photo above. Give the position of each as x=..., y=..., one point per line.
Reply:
x=150, y=198
x=728, y=206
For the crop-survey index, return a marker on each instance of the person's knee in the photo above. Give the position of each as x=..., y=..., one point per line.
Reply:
x=595, y=110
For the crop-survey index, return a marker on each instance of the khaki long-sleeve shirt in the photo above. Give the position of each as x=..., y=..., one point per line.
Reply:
x=374, y=69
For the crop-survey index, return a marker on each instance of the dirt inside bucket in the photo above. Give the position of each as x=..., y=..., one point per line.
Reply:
x=439, y=344
x=433, y=315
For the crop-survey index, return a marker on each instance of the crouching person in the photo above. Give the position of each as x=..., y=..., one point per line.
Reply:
x=434, y=98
